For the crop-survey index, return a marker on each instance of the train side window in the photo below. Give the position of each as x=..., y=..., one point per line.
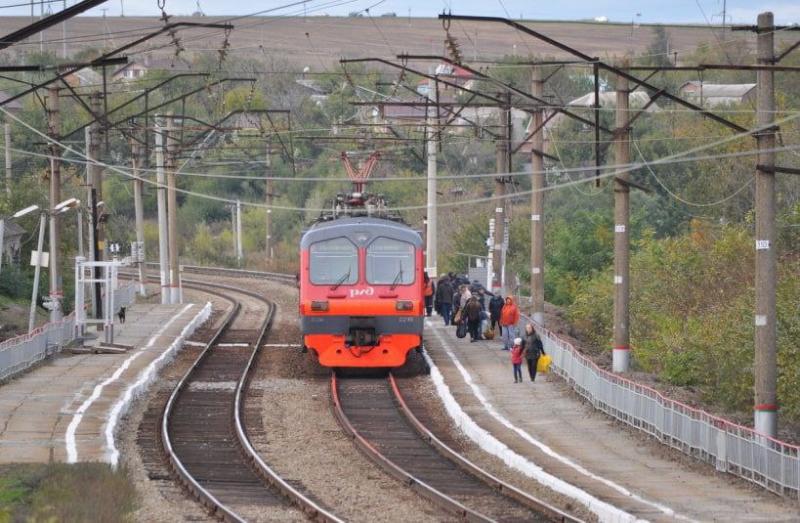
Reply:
x=390, y=262
x=333, y=262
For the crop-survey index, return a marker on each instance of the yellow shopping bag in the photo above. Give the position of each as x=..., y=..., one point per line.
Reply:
x=543, y=365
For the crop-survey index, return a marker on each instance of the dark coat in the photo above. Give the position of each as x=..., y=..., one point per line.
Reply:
x=533, y=346
x=444, y=292
x=473, y=310
x=495, y=306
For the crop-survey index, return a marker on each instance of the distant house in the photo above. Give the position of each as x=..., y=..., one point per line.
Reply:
x=315, y=91
x=84, y=77
x=136, y=69
x=712, y=95
x=12, y=241
x=608, y=99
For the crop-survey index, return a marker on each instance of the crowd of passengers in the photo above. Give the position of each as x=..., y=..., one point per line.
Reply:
x=462, y=303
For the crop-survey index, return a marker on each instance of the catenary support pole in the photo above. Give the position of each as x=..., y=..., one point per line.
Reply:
x=766, y=398
x=233, y=230
x=431, y=239
x=499, y=203
x=268, y=197
x=537, y=203
x=97, y=141
x=54, y=130
x=621, y=351
x=138, y=206
x=7, y=145
x=161, y=200
x=97, y=295
x=2, y=233
x=172, y=213
x=37, y=272
x=95, y=175
x=239, y=250
x=79, y=213
x=91, y=210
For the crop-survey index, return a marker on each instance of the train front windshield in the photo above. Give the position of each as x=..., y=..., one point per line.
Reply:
x=390, y=262
x=333, y=262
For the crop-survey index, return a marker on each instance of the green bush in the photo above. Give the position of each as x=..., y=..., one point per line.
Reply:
x=692, y=303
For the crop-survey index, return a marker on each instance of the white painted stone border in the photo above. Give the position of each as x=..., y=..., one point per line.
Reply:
x=77, y=417
x=486, y=441
x=146, y=376
x=467, y=377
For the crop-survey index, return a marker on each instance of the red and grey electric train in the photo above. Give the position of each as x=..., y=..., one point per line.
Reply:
x=361, y=286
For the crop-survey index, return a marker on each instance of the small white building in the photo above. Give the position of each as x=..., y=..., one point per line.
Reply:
x=713, y=95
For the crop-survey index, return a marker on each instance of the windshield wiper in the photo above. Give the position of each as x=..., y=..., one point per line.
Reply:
x=397, y=278
x=341, y=280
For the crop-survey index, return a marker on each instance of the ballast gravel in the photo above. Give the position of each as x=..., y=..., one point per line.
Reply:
x=302, y=440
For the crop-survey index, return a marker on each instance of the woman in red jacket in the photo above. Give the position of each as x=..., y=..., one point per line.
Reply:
x=509, y=317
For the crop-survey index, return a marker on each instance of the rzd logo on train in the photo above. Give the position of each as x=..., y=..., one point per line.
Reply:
x=369, y=291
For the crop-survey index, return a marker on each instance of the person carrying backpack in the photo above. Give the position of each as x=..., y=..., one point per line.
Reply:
x=534, y=348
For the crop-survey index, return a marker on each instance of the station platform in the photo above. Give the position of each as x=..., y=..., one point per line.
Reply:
x=67, y=409
x=543, y=428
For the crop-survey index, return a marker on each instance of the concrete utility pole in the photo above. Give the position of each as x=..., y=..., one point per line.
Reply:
x=172, y=215
x=96, y=102
x=431, y=239
x=621, y=353
x=239, y=250
x=54, y=131
x=766, y=369
x=138, y=205
x=37, y=272
x=501, y=166
x=7, y=145
x=537, y=203
x=233, y=231
x=268, y=196
x=161, y=200
x=92, y=149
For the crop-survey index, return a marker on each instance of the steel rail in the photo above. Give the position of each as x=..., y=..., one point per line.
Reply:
x=200, y=269
x=468, y=466
x=395, y=470
x=267, y=474
x=203, y=495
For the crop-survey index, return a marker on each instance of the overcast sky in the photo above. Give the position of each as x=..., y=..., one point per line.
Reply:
x=650, y=11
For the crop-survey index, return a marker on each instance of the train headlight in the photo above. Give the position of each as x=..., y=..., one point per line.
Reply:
x=319, y=306
x=404, y=305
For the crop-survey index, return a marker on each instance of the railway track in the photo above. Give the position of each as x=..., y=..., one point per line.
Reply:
x=203, y=429
x=374, y=413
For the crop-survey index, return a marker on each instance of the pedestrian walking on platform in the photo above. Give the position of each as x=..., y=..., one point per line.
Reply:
x=444, y=295
x=516, y=359
x=509, y=317
x=430, y=289
x=495, y=307
x=534, y=348
x=465, y=293
x=472, y=311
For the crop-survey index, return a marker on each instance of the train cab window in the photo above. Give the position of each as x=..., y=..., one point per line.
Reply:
x=333, y=262
x=390, y=262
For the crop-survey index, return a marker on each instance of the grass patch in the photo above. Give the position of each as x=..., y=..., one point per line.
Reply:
x=84, y=492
